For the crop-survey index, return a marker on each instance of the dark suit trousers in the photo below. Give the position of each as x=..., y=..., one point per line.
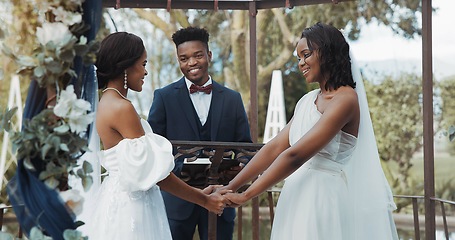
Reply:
x=184, y=229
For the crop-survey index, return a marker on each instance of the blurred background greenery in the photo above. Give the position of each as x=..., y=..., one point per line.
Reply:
x=395, y=101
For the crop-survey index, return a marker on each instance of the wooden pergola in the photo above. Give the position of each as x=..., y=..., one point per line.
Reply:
x=252, y=6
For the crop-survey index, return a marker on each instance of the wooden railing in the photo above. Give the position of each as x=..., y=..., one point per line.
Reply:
x=221, y=152
x=271, y=203
x=443, y=212
x=415, y=210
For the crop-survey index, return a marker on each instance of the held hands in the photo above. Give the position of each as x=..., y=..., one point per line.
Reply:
x=219, y=197
x=216, y=202
x=236, y=199
x=211, y=188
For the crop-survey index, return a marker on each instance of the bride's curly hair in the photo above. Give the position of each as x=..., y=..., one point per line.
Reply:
x=333, y=54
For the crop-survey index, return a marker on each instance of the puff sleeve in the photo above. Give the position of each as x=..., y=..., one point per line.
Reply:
x=144, y=161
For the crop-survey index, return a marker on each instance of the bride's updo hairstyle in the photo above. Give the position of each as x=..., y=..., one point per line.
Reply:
x=333, y=54
x=117, y=52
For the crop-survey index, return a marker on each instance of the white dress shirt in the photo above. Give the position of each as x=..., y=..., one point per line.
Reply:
x=201, y=101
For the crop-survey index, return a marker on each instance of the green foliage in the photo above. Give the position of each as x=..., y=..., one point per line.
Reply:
x=43, y=42
x=2, y=33
x=36, y=234
x=451, y=133
x=5, y=118
x=40, y=138
x=6, y=236
x=277, y=33
x=446, y=190
x=68, y=234
x=84, y=174
x=409, y=186
x=52, y=62
x=396, y=113
x=447, y=89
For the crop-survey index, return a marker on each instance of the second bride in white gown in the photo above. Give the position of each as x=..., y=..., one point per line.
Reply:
x=129, y=204
x=334, y=185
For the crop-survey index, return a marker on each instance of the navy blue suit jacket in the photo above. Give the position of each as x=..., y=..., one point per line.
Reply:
x=172, y=116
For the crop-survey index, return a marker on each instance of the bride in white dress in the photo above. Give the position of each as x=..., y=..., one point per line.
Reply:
x=334, y=185
x=128, y=204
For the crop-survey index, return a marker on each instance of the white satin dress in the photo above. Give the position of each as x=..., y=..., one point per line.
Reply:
x=129, y=204
x=313, y=204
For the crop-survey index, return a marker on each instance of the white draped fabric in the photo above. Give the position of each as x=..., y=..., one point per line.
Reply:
x=370, y=192
x=91, y=157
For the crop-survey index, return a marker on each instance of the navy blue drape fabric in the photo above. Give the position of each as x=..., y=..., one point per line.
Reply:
x=33, y=202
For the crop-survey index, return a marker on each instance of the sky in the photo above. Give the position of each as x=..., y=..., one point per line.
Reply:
x=383, y=49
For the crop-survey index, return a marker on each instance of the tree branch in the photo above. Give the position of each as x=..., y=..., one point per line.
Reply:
x=155, y=20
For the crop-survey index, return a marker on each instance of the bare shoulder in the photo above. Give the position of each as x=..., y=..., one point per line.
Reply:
x=346, y=95
x=115, y=106
x=347, y=108
x=346, y=91
x=111, y=110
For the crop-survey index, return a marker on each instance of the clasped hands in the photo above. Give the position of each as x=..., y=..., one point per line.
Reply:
x=219, y=197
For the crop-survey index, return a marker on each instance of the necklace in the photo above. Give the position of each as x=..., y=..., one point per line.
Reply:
x=119, y=93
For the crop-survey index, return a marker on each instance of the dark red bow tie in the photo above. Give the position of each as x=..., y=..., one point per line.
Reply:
x=195, y=88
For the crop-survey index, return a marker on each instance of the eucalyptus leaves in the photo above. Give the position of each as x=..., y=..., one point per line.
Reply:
x=59, y=41
x=69, y=234
x=451, y=133
x=5, y=118
x=51, y=143
x=54, y=56
x=55, y=137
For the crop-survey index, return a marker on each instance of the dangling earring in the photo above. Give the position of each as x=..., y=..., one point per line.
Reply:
x=125, y=78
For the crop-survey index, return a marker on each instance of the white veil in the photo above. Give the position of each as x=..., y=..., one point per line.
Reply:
x=369, y=190
x=91, y=157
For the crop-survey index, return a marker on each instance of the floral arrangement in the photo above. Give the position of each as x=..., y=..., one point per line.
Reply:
x=52, y=141
x=59, y=41
x=55, y=135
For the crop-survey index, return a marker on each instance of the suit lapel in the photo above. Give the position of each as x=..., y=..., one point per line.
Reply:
x=187, y=105
x=216, y=108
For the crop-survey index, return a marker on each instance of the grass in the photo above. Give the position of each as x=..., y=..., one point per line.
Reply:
x=444, y=166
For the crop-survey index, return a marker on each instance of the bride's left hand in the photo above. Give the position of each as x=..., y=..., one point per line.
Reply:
x=236, y=199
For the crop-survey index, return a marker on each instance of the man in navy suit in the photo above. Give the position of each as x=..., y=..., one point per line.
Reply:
x=196, y=108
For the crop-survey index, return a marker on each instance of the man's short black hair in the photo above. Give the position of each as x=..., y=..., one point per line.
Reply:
x=191, y=34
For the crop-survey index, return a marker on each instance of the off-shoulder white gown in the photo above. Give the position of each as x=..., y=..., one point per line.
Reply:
x=129, y=203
